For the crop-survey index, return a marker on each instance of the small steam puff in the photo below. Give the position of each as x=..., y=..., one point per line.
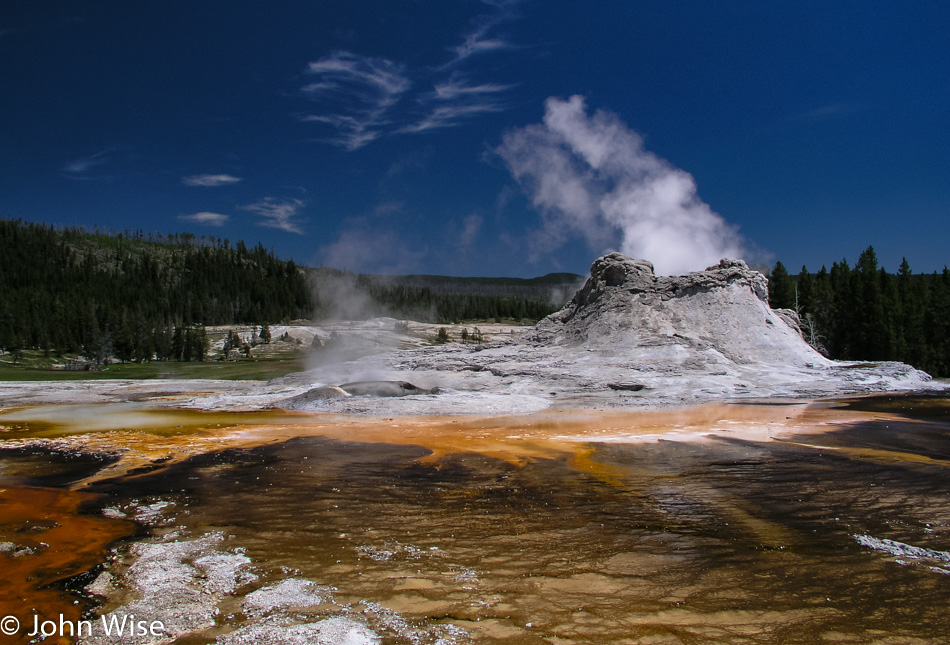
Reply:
x=592, y=176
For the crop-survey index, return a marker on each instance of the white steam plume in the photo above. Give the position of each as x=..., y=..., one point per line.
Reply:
x=590, y=175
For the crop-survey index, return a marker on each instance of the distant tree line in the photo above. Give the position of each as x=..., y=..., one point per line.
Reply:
x=865, y=313
x=553, y=286
x=133, y=296
x=440, y=299
x=426, y=305
x=139, y=297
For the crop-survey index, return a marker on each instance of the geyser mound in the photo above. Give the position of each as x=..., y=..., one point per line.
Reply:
x=628, y=338
x=720, y=314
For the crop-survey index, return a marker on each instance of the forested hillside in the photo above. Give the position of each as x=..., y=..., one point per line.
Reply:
x=865, y=313
x=138, y=297
x=73, y=291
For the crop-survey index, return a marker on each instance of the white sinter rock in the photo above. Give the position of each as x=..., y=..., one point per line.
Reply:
x=628, y=338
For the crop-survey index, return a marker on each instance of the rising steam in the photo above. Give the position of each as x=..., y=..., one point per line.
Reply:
x=591, y=176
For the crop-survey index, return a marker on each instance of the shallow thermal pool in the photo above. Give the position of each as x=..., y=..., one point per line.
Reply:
x=791, y=524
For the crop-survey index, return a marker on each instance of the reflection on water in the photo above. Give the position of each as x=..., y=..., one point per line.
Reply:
x=730, y=540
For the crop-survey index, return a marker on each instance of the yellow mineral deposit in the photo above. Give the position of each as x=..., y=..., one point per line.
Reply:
x=50, y=538
x=145, y=438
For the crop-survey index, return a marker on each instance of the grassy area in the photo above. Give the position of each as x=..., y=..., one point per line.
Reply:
x=33, y=366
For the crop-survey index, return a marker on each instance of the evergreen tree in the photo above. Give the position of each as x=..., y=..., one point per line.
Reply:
x=781, y=288
x=912, y=301
x=231, y=342
x=203, y=344
x=61, y=288
x=14, y=346
x=843, y=314
x=871, y=337
x=805, y=287
x=188, y=346
x=178, y=344
x=162, y=342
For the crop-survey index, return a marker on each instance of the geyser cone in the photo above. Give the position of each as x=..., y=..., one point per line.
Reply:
x=720, y=314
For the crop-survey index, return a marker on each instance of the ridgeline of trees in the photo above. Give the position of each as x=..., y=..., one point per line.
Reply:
x=865, y=313
x=441, y=299
x=133, y=296
x=138, y=297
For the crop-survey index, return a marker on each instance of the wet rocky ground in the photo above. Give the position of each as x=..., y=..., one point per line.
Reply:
x=791, y=523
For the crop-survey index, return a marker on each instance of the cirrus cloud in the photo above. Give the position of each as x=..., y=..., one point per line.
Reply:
x=206, y=218
x=210, y=180
x=278, y=213
x=363, y=89
x=363, y=98
x=85, y=168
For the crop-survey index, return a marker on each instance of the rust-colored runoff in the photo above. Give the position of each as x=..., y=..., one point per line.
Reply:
x=53, y=541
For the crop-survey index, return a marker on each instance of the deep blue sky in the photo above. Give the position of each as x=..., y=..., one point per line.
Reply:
x=368, y=135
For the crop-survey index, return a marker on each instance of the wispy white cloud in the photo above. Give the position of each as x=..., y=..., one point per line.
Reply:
x=381, y=74
x=478, y=41
x=278, y=213
x=449, y=116
x=81, y=168
x=206, y=218
x=456, y=87
x=455, y=100
x=210, y=180
x=365, y=89
x=365, y=98
x=320, y=86
x=354, y=132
